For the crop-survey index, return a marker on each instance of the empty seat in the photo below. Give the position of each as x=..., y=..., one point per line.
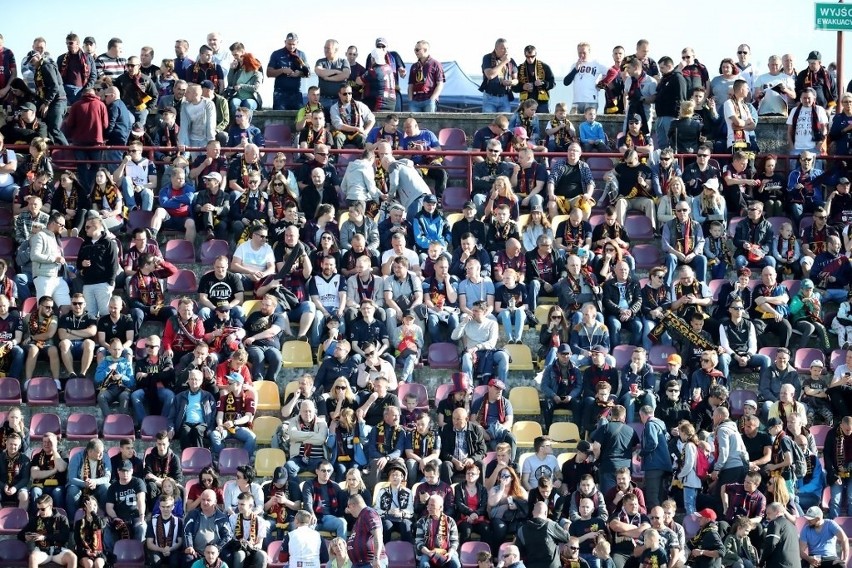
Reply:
x=182, y=282
x=230, y=459
x=646, y=256
x=12, y=520
x=14, y=553
x=639, y=227
x=118, y=426
x=452, y=139
x=264, y=428
x=80, y=392
x=443, y=356
x=400, y=554
x=622, y=355
x=297, y=355
x=565, y=435
x=28, y=306
x=525, y=401
x=179, y=251
x=71, y=247
x=805, y=356
x=268, y=396
x=153, y=425
x=737, y=399
x=42, y=391
x=658, y=357
x=138, y=219
x=525, y=432
x=455, y=197
x=267, y=459
x=43, y=423
x=520, y=357
x=278, y=136
x=209, y=250
x=470, y=550
x=819, y=432
x=129, y=553
x=81, y=427
x=193, y=460
x=10, y=391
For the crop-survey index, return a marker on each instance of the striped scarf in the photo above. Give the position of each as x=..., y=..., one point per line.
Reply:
x=538, y=75
x=482, y=415
x=162, y=539
x=239, y=530
x=150, y=293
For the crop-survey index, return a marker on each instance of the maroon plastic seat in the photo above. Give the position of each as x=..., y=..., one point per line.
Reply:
x=211, y=249
x=43, y=423
x=14, y=553
x=732, y=225
x=278, y=136
x=80, y=392
x=805, y=224
x=646, y=256
x=28, y=306
x=776, y=223
x=658, y=357
x=153, y=425
x=7, y=247
x=838, y=357
x=804, y=357
x=183, y=282
x=715, y=286
x=470, y=550
x=193, y=460
x=737, y=398
x=274, y=554
x=139, y=219
x=42, y=391
x=118, y=426
x=6, y=220
x=622, y=355
x=639, y=227
x=71, y=248
x=599, y=166
x=443, y=356
x=129, y=553
x=442, y=392
x=10, y=391
x=793, y=287
x=400, y=554
x=455, y=197
x=12, y=520
x=230, y=459
x=452, y=139
x=81, y=427
x=819, y=432
x=179, y=251
x=418, y=390
x=770, y=352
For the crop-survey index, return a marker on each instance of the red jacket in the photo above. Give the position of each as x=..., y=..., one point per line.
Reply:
x=86, y=121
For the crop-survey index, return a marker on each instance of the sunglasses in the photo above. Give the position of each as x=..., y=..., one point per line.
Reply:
x=49, y=308
x=325, y=470
x=151, y=346
x=264, y=237
x=823, y=217
x=738, y=53
x=703, y=155
x=77, y=303
x=675, y=391
x=505, y=477
x=706, y=361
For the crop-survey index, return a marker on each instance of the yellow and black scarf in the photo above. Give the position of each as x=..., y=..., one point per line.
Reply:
x=538, y=75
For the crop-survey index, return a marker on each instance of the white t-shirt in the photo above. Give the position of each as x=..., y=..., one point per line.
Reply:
x=729, y=111
x=9, y=157
x=537, y=468
x=410, y=255
x=255, y=259
x=586, y=80
x=804, y=137
x=774, y=102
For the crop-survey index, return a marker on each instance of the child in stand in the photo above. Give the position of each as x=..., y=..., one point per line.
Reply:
x=602, y=552
x=653, y=556
x=332, y=330
x=432, y=254
x=842, y=324
x=786, y=251
x=483, y=560
x=771, y=190
x=409, y=342
x=510, y=305
x=715, y=250
x=410, y=414
x=815, y=396
x=604, y=401
x=525, y=118
x=560, y=132
x=739, y=552
x=169, y=487
x=592, y=135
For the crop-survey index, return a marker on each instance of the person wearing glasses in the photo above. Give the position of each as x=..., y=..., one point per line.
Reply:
x=41, y=326
x=192, y=416
x=48, y=263
x=693, y=71
x=436, y=537
x=753, y=238
x=137, y=90
x=351, y=120
x=47, y=533
x=76, y=333
x=804, y=190
x=683, y=243
x=76, y=68
x=738, y=340
x=775, y=90
x=325, y=499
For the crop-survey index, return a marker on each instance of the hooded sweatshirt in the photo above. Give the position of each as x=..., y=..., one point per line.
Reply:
x=538, y=541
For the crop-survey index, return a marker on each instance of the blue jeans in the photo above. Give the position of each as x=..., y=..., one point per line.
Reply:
x=759, y=362
x=661, y=138
x=501, y=360
x=767, y=260
x=513, y=323
x=835, y=295
x=298, y=464
x=244, y=435
x=237, y=312
x=631, y=403
x=492, y=103
x=137, y=401
x=53, y=120
x=689, y=496
x=73, y=494
x=633, y=326
x=127, y=192
x=422, y=106
x=333, y=524
x=72, y=93
x=408, y=362
x=87, y=164
x=698, y=264
x=287, y=101
x=260, y=356
x=647, y=326
x=136, y=528
x=435, y=329
x=452, y=561
x=835, y=509
x=16, y=361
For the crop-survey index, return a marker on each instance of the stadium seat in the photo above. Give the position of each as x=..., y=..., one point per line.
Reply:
x=14, y=553
x=182, y=282
x=417, y=389
x=28, y=306
x=42, y=391
x=268, y=396
x=838, y=357
x=819, y=432
x=443, y=356
x=732, y=225
x=793, y=286
x=442, y=392
x=138, y=219
x=470, y=550
x=525, y=432
x=541, y=313
x=736, y=400
x=12, y=520
x=525, y=401
x=193, y=460
x=479, y=391
x=597, y=219
x=274, y=555
x=622, y=354
x=691, y=526
x=250, y=305
x=118, y=426
x=638, y=427
x=129, y=553
x=564, y=457
x=230, y=459
x=565, y=435
x=179, y=251
x=658, y=357
x=7, y=248
x=805, y=224
x=296, y=355
x=452, y=139
x=81, y=427
x=278, y=136
x=554, y=224
x=715, y=286
x=6, y=221
x=289, y=389
x=520, y=357
x=10, y=391
x=209, y=250
x=776, y=223
x=71, y=248
x=646, y=256
x=639, y=227
x=770, y=352
x=151, y=426
x=400, y=554
x=452, y=218
x=599, y=165
x=44, y=422
x=267, y=459
x=264, y=427
x=455, y=197
x=845, y=524
x=80, y=392
x=804, y=356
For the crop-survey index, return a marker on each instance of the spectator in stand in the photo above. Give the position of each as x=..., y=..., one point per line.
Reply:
x=197, y=120
x=51, y=95
x=426, y=81
x=174, y=212
x=752, y=239
x=85, y=125
x=499, y=76
x=817, y=77
x=774, y=91
x=585, y=75
x=693, y=71
x=671, y=93
x=807, y=126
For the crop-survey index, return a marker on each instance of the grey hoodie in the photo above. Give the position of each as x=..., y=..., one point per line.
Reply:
x=405, y=183
x=732, y=451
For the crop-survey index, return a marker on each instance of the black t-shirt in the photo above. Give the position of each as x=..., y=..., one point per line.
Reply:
x=10, y=325
x=754, y=446
x=617, y=441
x=220, y=290
x=257, y=322
x=582, y=527
x=117, y=329
x=123, y=498
x=70, y=322
x=361, y=332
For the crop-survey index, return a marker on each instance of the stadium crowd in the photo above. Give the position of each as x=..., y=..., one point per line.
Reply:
x=359, y=262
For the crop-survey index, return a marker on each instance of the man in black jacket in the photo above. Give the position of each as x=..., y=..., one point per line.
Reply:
x=622, y=301
x=538, y=539
x=97, y=264
x=545, y=268
x=51, y=95
x=49, y=533
x=671, y=91
x=781, y=543
x=462, y=444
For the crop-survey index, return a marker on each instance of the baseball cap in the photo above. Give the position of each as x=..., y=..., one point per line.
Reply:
x=235, y=378
x=807, y=283
x=635, y=118
x=815, y=56
x=599, y=349
x=430, y=198
x=813, y=513
x=564, y=348
x=674, y=358
x=214, y=175
x=207, y=84
x=772, y=422
x=280, y=476
x=750, y=402
x=90, y=40
x=537, y=207
x=707, y=514
x=223, y=306
x=469, y=205
x=817, y=363
x=27, y=106
x=126, y=465
x=497, y=384
x=292, y=37
x=843, y=181
x=381, y=42
x=520, y=132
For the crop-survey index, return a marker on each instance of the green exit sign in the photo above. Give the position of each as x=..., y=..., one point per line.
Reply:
x=833, y=17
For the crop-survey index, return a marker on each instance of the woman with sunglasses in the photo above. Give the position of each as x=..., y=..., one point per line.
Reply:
x=72, y=200
x=555, y=331
x=471, y=501
x=346, y=438
x=327, y=248
x=507, y=506
x=207, y=479
x=340, y=397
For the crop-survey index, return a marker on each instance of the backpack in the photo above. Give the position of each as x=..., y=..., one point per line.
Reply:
x=702, y=464
x=800, y=463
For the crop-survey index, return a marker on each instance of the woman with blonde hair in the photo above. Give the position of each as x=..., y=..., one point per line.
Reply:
x=502, y=194
x=354, y=485
x=345, y=443
x=338, y=553
x=666, y=206
x=507, y=506
x=244, y=82
x=685, y=131
x=685, y=476
x=538, y=224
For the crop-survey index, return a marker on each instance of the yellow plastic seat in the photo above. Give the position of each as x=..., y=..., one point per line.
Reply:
x=541, y=313
x=521, y=459
x=525, y=432
x=342, y=218
x=554, y=223
x=525, y=399
x=379, y=486
x=565, y=435
x=267, y=459
x=452, y=218
x=291, y=387
x=250, y=306
x=523, y=220
x=564, y=457
x=520, y=357
x=264, y=428
x=268, y=397
x=297, y=355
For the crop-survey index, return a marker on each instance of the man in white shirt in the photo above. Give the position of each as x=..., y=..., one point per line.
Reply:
x=774, y=91
x=306, y=546
x=585, y=76
x=804, y=132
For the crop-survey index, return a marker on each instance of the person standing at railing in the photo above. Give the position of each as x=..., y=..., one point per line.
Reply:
x=197, y=120
x=51, y=95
